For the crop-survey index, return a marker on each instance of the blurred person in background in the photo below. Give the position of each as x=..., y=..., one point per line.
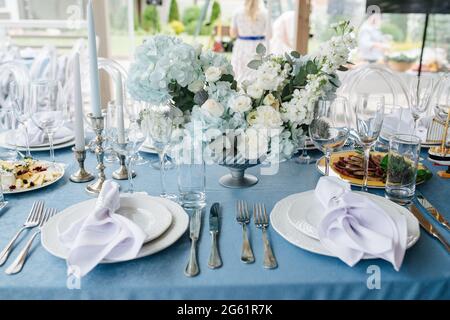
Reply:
x=249, y=25
x=373, y=44
x=283, y=36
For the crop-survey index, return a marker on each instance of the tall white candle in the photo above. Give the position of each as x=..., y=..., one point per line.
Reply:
x=120, y=106
x=78, y=98
x=93, y=63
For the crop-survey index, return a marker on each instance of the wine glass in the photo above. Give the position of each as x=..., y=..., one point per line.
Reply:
x=369, y=112
x=110, y=131
x=330, y=127
x=128, y=146
x=420, y=94
x=48, y=109
x=134, y=110
x=19, y=106
x=160, y=121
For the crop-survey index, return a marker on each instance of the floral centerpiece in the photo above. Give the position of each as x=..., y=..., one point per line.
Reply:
x=168, y=69
x=270, y=113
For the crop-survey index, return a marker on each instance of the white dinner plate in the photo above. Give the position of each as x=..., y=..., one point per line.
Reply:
x=150, y=215
x=58, y=166
x=4, y=144
x=300, y=228
x=14, y=133
x=180, y=223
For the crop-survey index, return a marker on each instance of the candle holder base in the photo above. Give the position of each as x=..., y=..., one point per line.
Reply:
x=81, y=176
x=122, y=173
x=95, y=188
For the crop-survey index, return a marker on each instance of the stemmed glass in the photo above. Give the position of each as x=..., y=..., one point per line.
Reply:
x=369, y=112
x=110, y=131
x=21, y=111
x=134, y=113
x=160, y=121
x=420, y=94
x=304, y=158
x=133, y=141
x=49, y=110
x=330, y=127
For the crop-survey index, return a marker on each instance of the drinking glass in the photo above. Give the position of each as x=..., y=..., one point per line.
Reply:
x=421, y=91
x=134, y=139
x=304, y=158
x=330, y=127
x=134, y=110
x=369, y=112
x=159, y=123
x=8, y=122
x=48, y=109
x=22, y=112
x=403, y=159
x=110, y=131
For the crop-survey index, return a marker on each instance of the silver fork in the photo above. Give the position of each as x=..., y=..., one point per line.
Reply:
x=31, y=222
x=192, y=268
x=243, y=218
x=262, y=222
x=17, y=265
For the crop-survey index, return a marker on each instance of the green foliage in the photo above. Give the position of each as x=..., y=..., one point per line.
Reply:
x=150, y=19
x=190, y=14
x=215, y=12
x=174, y=12
x=191, y=28
x=395, y=31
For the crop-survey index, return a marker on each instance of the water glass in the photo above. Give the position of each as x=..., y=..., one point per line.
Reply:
x=404, y=155
x=110, y=131
x=330, y=127
x=369, y=112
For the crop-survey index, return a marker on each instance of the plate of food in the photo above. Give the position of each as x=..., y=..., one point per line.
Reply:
x=28, y=175
x=349, y=166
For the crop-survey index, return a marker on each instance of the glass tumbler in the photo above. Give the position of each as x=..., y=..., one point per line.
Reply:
x=404, y=154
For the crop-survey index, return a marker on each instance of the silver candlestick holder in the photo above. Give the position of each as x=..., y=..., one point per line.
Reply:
x=81, y=176
x=122, y=172
x=98, y=125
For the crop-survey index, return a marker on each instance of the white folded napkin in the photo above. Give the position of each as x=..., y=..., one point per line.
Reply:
x=38, y=137
x=102, y=235
x=354, y=226
x=401, y=121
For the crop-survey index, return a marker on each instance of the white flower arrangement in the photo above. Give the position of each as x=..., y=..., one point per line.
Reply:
x=265, y=117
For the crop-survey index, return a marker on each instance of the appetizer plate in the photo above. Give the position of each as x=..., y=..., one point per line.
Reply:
x=180, y=223
x=320, y=166
x=295, y=233
x=153, y=217
x=59, y=167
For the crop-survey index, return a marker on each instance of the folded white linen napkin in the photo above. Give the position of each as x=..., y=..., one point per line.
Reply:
x=401, y=121
x=102, y=235
x=355, y=226
x=38, y=137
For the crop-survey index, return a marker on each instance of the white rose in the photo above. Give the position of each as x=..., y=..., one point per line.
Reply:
x=212, y=108
x=270, y=100
x=241, y=104
x=253, y=144
x=196, y=86
x=213, y=74
x=255, y=92
x=268, y=118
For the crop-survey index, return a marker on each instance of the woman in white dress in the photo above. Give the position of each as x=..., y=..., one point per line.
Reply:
x=250, y=25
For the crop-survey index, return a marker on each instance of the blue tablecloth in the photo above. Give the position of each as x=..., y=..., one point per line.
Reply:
x=425, y=273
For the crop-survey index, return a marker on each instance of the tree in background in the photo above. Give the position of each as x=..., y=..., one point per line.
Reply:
x=150, y=19
x=174, y=11
x=216, y=11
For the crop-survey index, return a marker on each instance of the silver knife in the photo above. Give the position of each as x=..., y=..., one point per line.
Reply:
x=431, y=210
x=192, y=268
x=214, y=259
x=428, y=226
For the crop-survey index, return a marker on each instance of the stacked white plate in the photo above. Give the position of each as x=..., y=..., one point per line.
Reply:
x=297, y=217
x=163, y=221
x=8, y=138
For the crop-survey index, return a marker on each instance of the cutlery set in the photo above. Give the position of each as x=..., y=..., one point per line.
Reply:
x=36, y=219
x=426, y=225
x=243, y=217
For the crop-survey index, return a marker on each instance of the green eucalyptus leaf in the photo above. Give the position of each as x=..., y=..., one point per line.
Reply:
x=261, y=49
x=295, y=54
x=255, y=64
x=343, y=69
